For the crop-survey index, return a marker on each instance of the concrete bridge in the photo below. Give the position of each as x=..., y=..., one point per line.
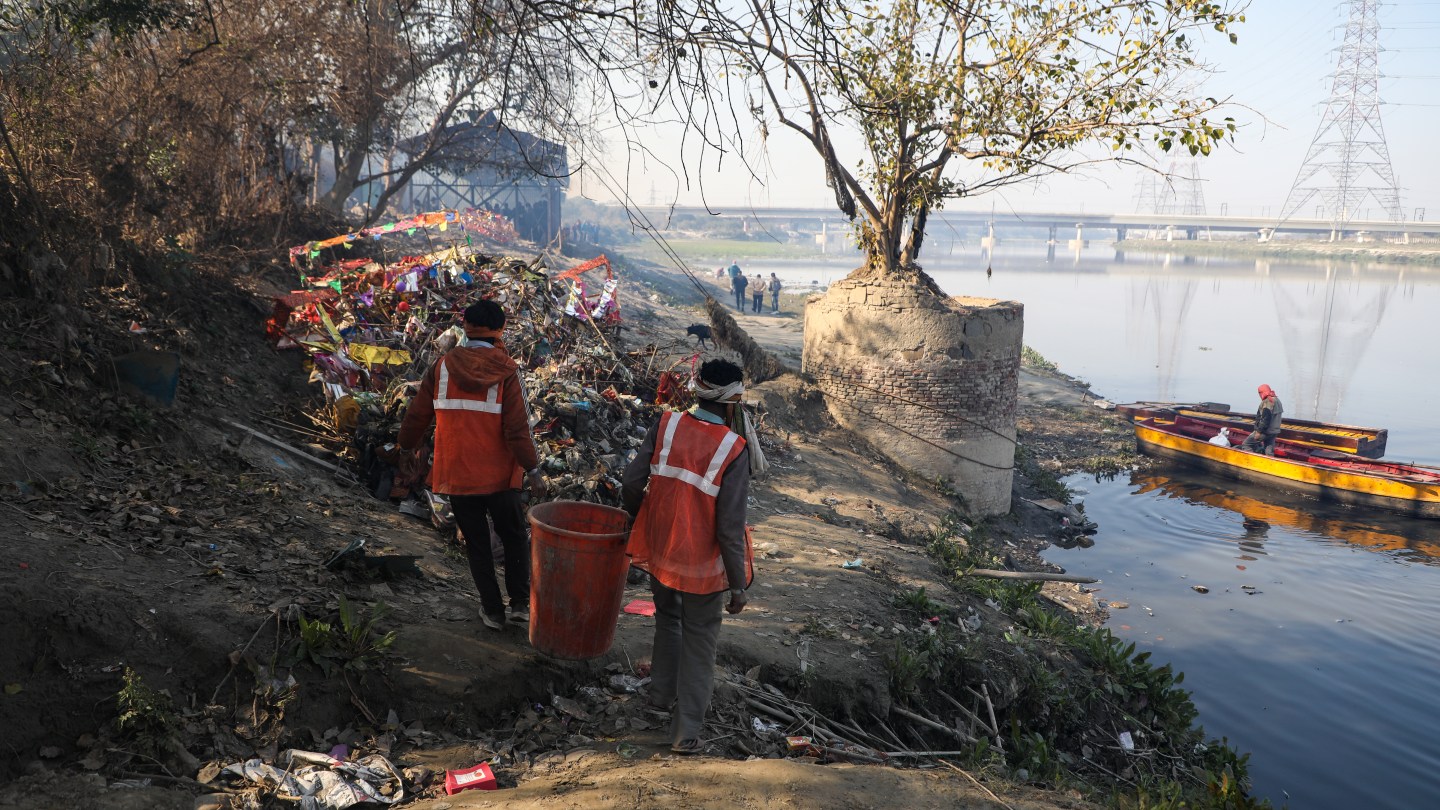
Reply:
x=1172, y=226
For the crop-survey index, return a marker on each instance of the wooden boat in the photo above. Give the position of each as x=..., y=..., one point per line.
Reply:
x=1409, y=489
x=1360, y=441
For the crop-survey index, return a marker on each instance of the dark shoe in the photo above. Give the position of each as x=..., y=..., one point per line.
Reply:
x=493, y=621
x=520, y=614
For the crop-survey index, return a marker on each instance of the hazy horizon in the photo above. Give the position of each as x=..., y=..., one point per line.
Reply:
x=1278, y=77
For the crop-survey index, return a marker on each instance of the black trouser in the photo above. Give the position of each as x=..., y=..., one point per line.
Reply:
x=504, y=509
x=1258, y=442
x=757, y=300
x=740, y=298
x=775, y=300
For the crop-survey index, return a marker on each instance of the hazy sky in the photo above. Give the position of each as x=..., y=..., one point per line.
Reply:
x=1280, y=67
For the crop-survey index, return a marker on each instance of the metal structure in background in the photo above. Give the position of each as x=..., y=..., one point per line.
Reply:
x=1348, y=163
x=1178, y=191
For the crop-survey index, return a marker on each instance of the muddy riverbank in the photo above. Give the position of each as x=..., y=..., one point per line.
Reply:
x=173, y=551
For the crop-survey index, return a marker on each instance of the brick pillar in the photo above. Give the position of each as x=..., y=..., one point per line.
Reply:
x=930, y=381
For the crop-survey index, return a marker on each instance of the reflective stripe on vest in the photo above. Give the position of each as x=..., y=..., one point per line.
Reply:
x=444, y=402
x=706, y=483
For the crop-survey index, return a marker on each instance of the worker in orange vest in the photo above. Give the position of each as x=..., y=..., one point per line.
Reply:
x=484, y=450
x=689, y=535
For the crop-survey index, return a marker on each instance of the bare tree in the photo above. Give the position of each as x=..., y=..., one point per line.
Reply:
x=948, y=98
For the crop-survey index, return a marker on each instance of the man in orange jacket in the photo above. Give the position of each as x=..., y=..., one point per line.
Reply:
x=483, y=452
x=689, y=535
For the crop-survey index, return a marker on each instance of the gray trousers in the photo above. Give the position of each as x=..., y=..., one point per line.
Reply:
x=682, y=670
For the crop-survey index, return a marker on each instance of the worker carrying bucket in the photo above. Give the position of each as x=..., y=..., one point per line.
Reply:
x=687, y=488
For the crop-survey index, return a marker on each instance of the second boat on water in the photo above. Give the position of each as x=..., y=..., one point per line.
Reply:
x=1361, y=441
x=1326, y=474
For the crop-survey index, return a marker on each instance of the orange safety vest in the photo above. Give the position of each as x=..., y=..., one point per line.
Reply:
x=471, y=457
x=674, y=535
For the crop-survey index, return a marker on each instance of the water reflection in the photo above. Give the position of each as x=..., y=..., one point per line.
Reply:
x=1164, y=302
x=1262, y=509
x=1326, y=327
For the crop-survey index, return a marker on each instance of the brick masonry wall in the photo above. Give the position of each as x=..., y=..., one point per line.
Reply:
x=932, y=382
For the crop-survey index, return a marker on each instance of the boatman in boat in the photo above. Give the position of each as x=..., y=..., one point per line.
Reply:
x=1267, y=423
x=689, y=535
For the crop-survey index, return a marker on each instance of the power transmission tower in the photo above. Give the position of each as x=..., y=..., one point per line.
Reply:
x=1348, y=161
x=1182, y=192
x=1147, y=194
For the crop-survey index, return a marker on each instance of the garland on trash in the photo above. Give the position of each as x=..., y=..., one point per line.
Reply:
x=371, y=330
x=489, y=224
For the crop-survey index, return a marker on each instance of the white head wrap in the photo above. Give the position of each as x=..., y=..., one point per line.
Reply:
x=731, y=395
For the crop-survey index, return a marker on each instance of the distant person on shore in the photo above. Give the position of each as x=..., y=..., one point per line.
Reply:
x=737, y=284
x=757, y=293
x=1267, y=423
x=687, y=489
x=775, y=293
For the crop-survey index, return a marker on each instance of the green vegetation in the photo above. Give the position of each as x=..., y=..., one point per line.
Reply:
x=916, y=602
x=1063, y=691
x=350, y=643
x=704, y=252
x=147, y=721
x=1427, y=252
x=1044, y=481
x=1031, y=359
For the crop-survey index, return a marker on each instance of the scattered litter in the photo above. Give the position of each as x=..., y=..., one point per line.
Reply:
x=1199, y=589
x=1118, y=605
x=853, y=564
x=763, y=728
x=479, y=777
x=641, y=607
x=1126, y=741
x=323, y=782
x=627, y=683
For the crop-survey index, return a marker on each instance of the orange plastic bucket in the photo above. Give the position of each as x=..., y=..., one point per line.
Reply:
x=577, y=577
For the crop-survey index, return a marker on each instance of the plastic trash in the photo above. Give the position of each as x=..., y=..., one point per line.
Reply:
x=853, y=564
x=479, y=777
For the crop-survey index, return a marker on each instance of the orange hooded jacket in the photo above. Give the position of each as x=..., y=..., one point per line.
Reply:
x=483, y=442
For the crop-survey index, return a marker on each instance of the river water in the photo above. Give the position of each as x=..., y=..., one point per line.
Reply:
x=1314, y=648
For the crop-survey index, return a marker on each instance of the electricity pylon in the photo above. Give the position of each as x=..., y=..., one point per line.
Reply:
x=1348, y=162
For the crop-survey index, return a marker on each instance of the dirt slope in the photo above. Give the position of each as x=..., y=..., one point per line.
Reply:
x=183, y=550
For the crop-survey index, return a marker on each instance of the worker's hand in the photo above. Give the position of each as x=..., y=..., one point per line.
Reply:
x=539, y=487
x=737, y=602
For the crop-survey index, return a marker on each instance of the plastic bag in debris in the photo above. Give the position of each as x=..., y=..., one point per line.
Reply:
x=764, y=729
x=321, y=782
x=627, y=683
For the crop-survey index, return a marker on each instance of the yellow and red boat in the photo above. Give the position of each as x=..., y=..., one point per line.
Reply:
x=1409, y=489
x=1361, y=441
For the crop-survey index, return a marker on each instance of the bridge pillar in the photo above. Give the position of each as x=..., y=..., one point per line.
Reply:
x=1169, y=233
x=1266, y=234
x=1120, y=234
x=1078, y=242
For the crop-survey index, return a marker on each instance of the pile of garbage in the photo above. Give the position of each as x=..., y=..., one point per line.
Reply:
x=371, y=327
